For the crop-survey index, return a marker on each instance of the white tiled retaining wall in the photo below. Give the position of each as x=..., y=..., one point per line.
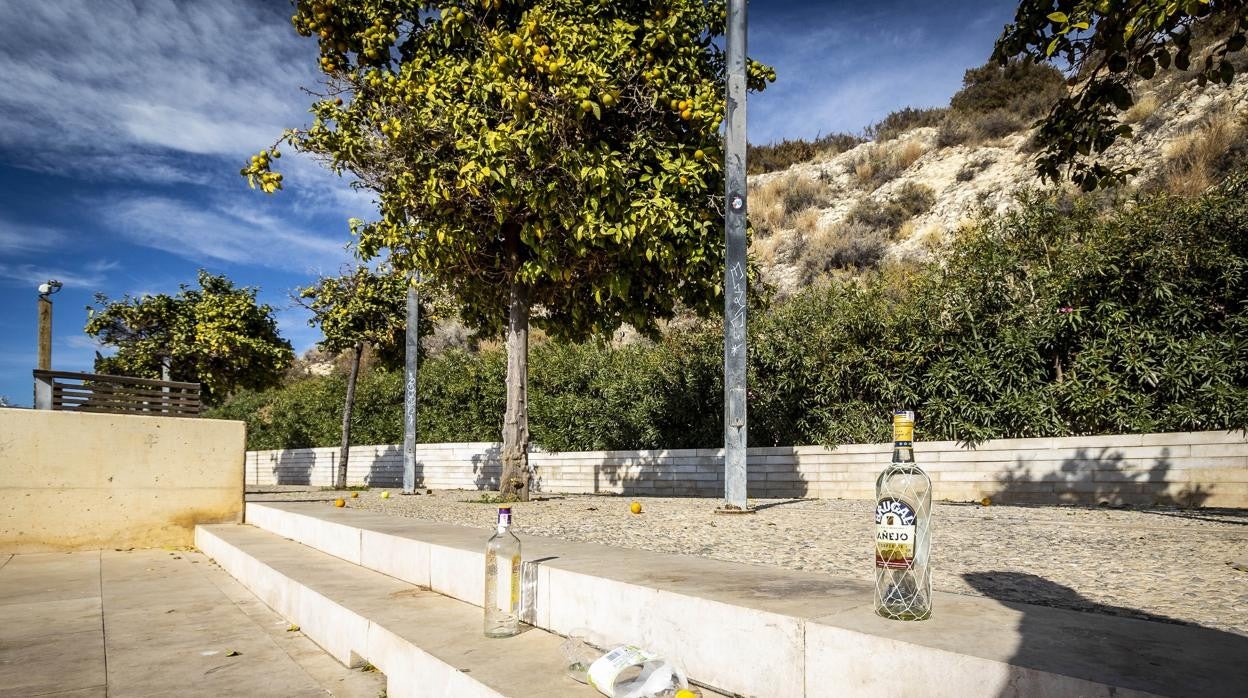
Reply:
x=1192, y=468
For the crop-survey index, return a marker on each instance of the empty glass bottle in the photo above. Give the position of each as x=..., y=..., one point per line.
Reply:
x=502, y=580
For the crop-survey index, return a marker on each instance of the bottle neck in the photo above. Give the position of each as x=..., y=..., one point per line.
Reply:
x=903, y=452
x=903, y=437
x=504, y=521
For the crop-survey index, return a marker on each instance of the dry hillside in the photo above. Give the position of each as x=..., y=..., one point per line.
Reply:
x=901, y=197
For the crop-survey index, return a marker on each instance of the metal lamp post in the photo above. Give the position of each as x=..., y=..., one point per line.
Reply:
x=409, y=389
x=735, y=430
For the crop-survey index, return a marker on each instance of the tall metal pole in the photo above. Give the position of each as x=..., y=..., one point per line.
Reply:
x=734, y=273
x=409, y=390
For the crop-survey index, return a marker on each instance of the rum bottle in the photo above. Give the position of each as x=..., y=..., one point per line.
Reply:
x=903, y=506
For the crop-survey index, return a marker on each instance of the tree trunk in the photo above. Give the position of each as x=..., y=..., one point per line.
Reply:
x=515, y=478
x=340, y=478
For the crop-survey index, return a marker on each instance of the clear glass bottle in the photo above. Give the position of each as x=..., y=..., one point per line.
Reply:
x=502, y=580
x=903, y=540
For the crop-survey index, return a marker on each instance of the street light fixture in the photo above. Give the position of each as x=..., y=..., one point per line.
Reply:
x=49, y=287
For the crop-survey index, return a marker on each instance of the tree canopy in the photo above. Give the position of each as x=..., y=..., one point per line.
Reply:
x=359, y=305
x=216, y=335
x=553, y=161
x=1106, y=46
x=571, y=146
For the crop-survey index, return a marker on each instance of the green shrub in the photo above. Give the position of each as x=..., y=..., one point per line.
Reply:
x=996, y=101
x=801, y=193
x=850, y=245
x=910, y=200
x=1021, y=87
x=1058, y=319
x=902, y=120
x=779, y=156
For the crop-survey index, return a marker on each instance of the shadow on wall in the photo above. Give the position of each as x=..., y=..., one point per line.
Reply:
x=1050, y=640
x=487, y=468
x=772, y=473
x=1099, y=476
x=292, y=467
x=386, y=467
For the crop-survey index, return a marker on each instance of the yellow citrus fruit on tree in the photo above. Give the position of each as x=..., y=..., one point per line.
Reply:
x=635, y=507
x=340, y=502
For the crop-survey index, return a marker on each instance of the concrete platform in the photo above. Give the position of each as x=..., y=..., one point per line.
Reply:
x=761, y=631
x=150, y=623
x=425, y=643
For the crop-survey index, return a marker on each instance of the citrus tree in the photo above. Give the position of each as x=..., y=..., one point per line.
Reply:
x=216, y=335
x=1106, y=45
x=357, y=308
x=554, y=162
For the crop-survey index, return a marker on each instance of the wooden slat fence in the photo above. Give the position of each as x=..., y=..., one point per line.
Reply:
x=93, y=392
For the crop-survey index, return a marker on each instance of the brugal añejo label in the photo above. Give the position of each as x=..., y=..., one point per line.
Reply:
x=894, y=534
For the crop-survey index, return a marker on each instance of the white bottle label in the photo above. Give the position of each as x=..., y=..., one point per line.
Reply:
x=895, y=534
x=607, y=668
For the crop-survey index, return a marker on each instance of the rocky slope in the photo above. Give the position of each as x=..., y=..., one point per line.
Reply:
x=837, y=212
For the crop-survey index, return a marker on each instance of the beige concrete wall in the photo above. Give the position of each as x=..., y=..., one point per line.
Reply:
x=1208, y=469
x=73, y=481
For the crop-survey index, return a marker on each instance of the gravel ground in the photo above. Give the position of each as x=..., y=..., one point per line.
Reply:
x=1158, y=564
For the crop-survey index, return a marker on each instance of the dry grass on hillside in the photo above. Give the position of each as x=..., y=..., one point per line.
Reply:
x=1196, y=161
x=1143, y=108
x=777, y=204
x=884, y=162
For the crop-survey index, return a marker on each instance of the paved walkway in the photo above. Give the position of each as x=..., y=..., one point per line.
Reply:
x=1157, y=564
x=151, y=623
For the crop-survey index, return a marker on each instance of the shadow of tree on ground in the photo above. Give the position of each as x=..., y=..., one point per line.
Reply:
x=1122, y=653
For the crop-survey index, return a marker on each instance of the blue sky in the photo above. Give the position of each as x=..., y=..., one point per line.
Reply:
x=125, y=124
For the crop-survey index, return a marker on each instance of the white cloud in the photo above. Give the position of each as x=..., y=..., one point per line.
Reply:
x=159, y=92
x=90, y=277
x=20, y=237
x=231, y=233
x=215, y=77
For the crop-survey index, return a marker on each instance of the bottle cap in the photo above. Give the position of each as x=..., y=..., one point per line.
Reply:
x=903, y=426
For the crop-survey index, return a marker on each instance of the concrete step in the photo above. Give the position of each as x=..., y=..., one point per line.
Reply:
x=425, y=643
x=760, y=631
x=150, y=624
